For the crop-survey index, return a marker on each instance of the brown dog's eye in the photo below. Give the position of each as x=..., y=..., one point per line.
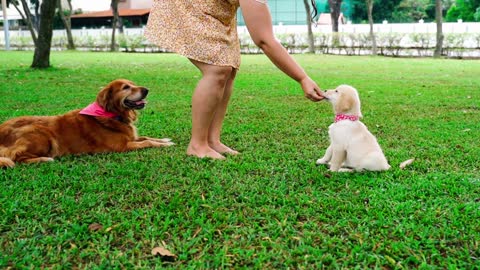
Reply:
x=126, y=87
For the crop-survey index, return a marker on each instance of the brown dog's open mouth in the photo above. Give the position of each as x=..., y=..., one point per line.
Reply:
x=135, y=104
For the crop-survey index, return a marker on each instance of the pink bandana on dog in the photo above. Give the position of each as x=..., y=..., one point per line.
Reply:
x=340, y=117
x=96, y=110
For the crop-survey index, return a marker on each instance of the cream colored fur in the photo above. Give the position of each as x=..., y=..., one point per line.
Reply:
x=352, y=146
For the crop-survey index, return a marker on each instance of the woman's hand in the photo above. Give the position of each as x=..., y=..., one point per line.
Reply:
x=311, y=89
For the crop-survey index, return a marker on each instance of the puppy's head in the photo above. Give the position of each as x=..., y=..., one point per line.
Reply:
x=344, y=99
x=122, y=96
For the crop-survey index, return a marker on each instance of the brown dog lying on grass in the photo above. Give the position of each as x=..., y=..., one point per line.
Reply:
x=103, y=126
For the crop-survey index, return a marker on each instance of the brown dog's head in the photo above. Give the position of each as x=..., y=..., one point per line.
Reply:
x=122, y=97
x=345, y=100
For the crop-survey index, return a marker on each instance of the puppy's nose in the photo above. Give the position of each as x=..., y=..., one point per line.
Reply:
x=144, y=91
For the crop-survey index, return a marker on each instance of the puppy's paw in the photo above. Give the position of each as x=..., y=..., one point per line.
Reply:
x=345, y=170
x=165, y=140
x=321, y=161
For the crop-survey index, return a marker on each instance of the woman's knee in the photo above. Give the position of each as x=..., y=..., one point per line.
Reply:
x=219, y=74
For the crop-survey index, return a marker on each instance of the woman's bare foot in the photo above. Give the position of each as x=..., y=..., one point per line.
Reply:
x=223, y=149
x=204, y=152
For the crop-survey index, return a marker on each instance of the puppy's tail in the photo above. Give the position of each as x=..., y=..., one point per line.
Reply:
x=406, y=163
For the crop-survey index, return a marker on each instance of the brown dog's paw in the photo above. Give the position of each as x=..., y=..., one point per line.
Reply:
x=6, y=162
x=169, y=143
x=39, y=159
x=158, y=143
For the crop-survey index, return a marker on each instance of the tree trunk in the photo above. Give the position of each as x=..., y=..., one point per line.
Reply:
x=370, y=21
x=311, y=45
x=36, y=18
x=41, y=57
x=114, y=6
x=67, y=22
x=439, y=19
x=5, y=25
x=27, y=17
x=335, y=13
x=120, y=24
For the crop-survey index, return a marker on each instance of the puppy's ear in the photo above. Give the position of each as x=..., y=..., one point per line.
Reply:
x=104, y=98
x=344, y=104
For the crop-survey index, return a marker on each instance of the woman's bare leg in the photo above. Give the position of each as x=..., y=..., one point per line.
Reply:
x=216, y=126
x=205, y=101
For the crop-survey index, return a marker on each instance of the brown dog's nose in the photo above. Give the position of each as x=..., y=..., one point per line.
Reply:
x=144, y=91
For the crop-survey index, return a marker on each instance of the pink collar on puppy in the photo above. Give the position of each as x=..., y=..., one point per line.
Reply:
x=340, y=117
x=96, y=110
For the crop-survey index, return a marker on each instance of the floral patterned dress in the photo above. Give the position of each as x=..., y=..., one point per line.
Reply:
x=202, y=30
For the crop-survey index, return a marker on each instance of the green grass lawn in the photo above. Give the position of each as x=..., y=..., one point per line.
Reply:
x=268, y=208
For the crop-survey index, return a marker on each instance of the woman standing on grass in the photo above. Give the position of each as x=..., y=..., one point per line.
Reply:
x=205, y=31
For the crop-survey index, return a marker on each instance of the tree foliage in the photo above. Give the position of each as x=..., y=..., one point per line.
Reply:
x=411, y=10
x=466, y=10
x=383, y=10
x=397, y=11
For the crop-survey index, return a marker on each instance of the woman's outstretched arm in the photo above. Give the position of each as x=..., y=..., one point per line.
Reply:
x=259, y=24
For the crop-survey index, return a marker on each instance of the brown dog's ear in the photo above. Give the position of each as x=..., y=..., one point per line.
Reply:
x=344, y=104
x=104, y=97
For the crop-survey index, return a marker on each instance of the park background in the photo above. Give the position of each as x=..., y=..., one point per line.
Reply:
x=270, y=207
x=400, y=27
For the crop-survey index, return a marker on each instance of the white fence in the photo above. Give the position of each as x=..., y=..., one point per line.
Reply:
x=458, y=27
x=414, y=39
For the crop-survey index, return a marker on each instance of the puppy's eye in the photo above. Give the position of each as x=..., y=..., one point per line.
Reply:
x=336, y=91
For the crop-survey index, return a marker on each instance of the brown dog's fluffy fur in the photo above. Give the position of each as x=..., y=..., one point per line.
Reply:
x=32, y=139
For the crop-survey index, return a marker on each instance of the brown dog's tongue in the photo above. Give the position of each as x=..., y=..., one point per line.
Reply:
x=143, y=101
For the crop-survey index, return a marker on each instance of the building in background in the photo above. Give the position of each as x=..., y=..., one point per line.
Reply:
x=131, y=18
x=102, y=5
x=292, y=12
x=14, y=18
x=91, y=6
x=284, y=12
x=134, y=14
x=96, y=14
x=135, y=4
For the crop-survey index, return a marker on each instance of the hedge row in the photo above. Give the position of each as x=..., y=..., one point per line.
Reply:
x=390, y=44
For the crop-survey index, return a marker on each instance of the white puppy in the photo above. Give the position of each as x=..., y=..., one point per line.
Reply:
x=352, y=146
